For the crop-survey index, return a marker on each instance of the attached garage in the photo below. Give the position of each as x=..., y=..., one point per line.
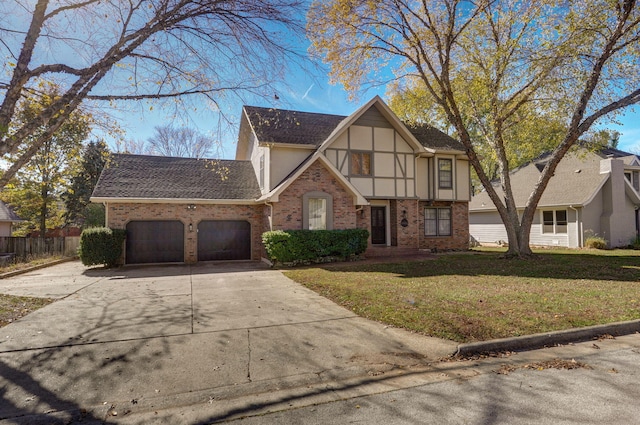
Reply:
x=155, y=242
x=224, y=240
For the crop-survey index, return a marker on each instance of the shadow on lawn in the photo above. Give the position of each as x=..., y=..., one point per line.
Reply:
x=551, y=265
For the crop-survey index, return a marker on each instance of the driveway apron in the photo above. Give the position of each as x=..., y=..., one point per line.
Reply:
x=152, y=336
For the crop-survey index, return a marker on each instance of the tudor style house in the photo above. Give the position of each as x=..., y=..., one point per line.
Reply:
x=409, y=186
x=590, y=193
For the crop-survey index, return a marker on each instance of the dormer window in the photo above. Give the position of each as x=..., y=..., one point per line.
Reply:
x=361, y=163
x=445, y=174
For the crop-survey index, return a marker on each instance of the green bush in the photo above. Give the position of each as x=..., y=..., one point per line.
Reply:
x=307, y=246
x=596, y=242
x=101, y=245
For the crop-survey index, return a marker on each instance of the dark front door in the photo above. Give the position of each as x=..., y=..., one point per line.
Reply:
x=155, y=242
x=378, y=226
x=224, y=240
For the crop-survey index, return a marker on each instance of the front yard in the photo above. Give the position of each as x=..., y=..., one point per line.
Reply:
x=477, y=295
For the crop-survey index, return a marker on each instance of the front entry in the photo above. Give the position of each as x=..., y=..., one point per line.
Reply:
x=378, y=226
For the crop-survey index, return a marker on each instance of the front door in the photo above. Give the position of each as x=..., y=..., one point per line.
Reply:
x=378, y=226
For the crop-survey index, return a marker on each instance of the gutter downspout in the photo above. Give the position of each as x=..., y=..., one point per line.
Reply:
x=270, y=205
x=578, y=225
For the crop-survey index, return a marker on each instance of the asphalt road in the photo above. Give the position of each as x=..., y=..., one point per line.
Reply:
x=603, y=388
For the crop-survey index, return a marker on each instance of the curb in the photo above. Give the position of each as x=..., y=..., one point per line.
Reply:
x=548, y=339
x=38, y=267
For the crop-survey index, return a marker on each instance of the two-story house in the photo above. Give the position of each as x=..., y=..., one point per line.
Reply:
x=409, y=186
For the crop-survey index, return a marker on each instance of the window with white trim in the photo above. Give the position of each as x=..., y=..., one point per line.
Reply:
x=554, y=221
x=437, y=221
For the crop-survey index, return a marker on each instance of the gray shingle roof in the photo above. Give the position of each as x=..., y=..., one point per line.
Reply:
x=576, y=179
x=309, y=128
x=294, y=127
x=143, y=176
x=7, y=213
x=431, y=137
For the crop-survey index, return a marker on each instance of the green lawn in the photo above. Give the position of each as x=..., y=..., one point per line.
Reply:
x=478, y=295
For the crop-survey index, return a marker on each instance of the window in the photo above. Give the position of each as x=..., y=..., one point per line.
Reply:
x=361, y=163
x=317, y=211
x=554, y=221
x=437, y=221
x=445, y=174
x=317, y=214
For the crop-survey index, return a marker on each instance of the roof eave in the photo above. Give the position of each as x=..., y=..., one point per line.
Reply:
x=196, y=201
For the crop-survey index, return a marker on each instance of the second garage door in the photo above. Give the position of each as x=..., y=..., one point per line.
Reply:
x=155, y=242
x=224, y=240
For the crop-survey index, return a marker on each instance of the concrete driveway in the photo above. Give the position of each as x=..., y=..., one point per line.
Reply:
x=121, y=344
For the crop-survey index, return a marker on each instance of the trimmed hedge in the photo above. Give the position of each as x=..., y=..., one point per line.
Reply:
x=307, y=246
x=101, y=245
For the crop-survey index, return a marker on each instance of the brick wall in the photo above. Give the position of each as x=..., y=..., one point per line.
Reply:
x=459, y=240
x=287, y=212
x=118, y=215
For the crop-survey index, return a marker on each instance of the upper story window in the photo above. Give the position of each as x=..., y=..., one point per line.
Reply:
x=445, y=174
x=554, y=221
x=360, y=163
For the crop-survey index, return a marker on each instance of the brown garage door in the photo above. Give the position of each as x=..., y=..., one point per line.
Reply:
x=155, y=242
x=224, y=240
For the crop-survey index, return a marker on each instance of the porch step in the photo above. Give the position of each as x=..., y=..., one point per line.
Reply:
x=394, y=251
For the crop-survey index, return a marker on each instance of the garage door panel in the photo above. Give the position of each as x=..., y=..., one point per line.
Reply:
x=224, y=240
x=155, y=242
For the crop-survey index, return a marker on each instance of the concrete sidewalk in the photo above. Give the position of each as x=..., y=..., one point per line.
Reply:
x=124, y=344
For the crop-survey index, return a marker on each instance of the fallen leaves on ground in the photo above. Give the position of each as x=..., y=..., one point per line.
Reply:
x=548, y=364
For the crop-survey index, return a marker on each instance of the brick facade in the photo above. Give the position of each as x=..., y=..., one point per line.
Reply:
x=459, y=239
x=287, y=212
x=119, y=214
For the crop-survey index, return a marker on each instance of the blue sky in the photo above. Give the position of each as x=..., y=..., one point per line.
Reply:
x=307, y=93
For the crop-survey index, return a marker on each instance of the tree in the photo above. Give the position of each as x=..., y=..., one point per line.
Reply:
x=36, y=188
x=136, y=50
x=185, y=142
x=79, y=209
x=496, y=61
x=534, y=132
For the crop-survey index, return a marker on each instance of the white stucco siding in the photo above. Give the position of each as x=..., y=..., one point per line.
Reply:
x=392, y=159
x=283, y=161
x=463, y=181
x=361, y=138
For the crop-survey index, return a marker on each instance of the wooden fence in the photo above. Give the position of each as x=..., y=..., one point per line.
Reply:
x=21, y=249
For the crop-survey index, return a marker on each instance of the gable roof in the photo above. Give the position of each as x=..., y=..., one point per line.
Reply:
x=576, y=180
x=304, y=165
x=291, y=127
x=145, y=177
x=272, y=125
x=7, y=214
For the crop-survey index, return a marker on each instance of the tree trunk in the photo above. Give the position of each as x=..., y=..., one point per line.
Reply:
x=43, y=211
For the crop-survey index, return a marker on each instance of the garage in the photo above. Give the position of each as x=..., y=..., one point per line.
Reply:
x=155, y=242
x=224, y=240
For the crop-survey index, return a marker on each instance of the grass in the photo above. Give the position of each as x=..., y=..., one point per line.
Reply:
x=30, y=262
x=478, y=295
x=12, y=308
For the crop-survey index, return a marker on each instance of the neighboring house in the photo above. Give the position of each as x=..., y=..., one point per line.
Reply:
x=410, y=187
x=7, y=218
x=590, y=193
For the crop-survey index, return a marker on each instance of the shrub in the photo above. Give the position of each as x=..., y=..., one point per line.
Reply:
x=596, y=242
x=306, y=246
x=101, y=245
